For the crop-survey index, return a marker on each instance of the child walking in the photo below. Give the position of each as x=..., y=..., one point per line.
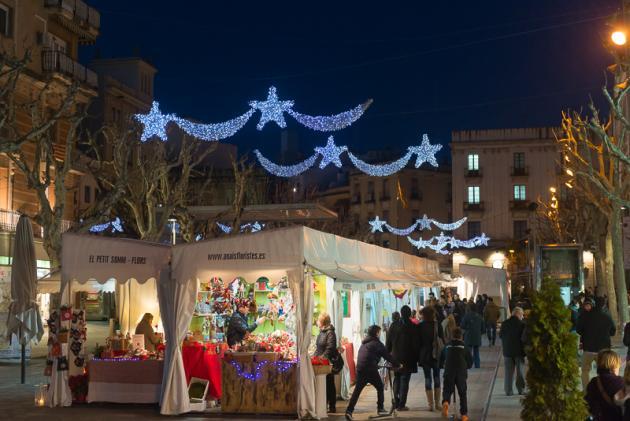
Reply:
x=458, y=360
x=370, y=353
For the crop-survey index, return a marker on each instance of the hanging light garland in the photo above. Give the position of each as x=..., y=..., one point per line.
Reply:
x=115, y=225
x=253, y=227
x=441, y=242
x=331, y=154
x=271, y=109
x=423, y=223
x=256, y=374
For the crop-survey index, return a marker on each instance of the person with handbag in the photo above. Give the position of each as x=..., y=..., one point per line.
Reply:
x=326, y=346
x=431, y=344
x=601, y=390
x=403, y=343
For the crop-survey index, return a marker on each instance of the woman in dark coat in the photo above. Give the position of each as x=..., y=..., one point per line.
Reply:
x=430, y=365
x=601, y=390
x=327, y=347
x=403, y=344
x=473, y=326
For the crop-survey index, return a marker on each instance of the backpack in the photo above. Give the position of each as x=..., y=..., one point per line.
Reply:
x=438, y=343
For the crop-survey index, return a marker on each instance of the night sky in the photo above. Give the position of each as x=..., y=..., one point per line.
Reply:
x=431, y=67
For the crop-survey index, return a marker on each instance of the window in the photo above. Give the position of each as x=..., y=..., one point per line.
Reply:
x=5, y=27
x=370, y=192
x=385, y=215
x=415, y=215
x=385, y=189
x=87, y=194
x=474, y=229
x=519, y=160
x=473, y=162
x=519, y=192
x=356, y=198
x=416, y=193
x=520, y=230
x=473, y=194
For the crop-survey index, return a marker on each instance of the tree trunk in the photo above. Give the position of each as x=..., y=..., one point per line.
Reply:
x=619, y=274
x=609, y=276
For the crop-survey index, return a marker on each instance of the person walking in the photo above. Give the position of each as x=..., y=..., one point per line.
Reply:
x=370, y=353
x=403, y=344
x=595, y=329
x=601, y=390
x=491, y=315
x=511, y=334
x=430, y=331
x=326, y=346
x=448, y=325
x=473, y=327
x=457, y=361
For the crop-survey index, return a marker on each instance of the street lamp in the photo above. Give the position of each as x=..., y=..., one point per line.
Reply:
x=619, y=38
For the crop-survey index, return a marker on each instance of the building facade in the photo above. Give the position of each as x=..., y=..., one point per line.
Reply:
x=498, y=178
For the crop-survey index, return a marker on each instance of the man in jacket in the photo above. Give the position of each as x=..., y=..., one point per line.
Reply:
x=491, y=314
x=370, y=353
x=511, y=334
x=595, y=328
x=457, y=362
x=473, y=327
x=403, y=343
x=238, y=327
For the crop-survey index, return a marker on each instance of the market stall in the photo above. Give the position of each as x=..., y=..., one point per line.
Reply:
x=121, y=370
x=294, y=256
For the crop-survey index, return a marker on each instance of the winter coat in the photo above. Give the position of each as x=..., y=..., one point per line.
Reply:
x=457, y=360
x=511, y=335
x=626, y=337
x=326, y=343
x=238, y=328
x=370, y=353
x=403, y=342
x=427, y=332
x=473, y=326
x=597, y=405
x=459, y=311
x=595, y=327
x=448, y=334
x=491, y=313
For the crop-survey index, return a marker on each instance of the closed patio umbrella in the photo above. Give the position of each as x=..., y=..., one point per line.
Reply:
x=24, y=320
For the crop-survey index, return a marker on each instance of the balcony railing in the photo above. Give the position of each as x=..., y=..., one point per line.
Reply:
x=77, y=16
x=472, y=173
x=9, y=220
x=519, y=204
x=473, y=206
x=519, y=171
x=59, y=62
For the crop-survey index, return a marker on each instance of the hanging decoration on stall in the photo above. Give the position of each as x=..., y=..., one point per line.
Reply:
x=250, y=226
x=256, y=374
x=440, y=243
x=423, y=223
x=271, y=109
x=115, y=225
x=331, y=154
x=399, y=293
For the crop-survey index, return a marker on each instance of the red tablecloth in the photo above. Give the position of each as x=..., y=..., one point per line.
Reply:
x=200, y=363
x=349, y=348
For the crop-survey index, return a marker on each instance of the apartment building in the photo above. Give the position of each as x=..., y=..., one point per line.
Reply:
x=497, y=177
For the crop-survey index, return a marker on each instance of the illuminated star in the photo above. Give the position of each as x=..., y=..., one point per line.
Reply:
x=330, y=153
x=424, y=223
x=425, y=152
x=482, y=240
x=154, y=122
x=377, y=224
x=272, y=109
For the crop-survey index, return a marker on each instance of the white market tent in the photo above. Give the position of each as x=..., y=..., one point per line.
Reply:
x=275, y=254
x=475, y=280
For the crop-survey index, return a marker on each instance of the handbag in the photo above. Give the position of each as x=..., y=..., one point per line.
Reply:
x=438, y=343
x=337, y=362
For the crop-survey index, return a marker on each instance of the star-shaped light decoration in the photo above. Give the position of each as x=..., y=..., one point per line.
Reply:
x=330, y=153
x=154, y=123
x=482, y=240
x=425, y=152
x=377, y=224
x=424, y=223
x=272, y=109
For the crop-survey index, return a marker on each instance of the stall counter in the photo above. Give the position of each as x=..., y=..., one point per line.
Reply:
x=125, y=380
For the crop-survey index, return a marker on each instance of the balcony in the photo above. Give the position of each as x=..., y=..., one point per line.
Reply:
x=472, y=173
x=77, y=17
x=473, y=206
x=519, y=171
x=56, y=62
x=519, y=205
x=385, y=197
x=370, y=197
x=9, y=220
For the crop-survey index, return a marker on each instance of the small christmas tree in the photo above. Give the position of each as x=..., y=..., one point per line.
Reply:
x=553, y=375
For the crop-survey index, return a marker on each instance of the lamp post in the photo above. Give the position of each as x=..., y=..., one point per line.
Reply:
x=173, y=221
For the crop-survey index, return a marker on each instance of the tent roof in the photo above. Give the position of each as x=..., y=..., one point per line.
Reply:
x=273, y=253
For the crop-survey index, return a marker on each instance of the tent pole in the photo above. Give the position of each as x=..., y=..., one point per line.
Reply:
x=23, y=365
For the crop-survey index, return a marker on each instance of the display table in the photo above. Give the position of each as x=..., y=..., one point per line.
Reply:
x=125, y=381
x=200, y=363
x=253, y=385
